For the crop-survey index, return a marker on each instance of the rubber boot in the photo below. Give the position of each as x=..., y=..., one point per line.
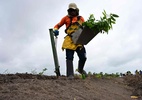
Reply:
x=81, y=66
x=70, y=71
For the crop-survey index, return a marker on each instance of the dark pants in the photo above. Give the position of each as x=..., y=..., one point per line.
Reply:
x=81, y=52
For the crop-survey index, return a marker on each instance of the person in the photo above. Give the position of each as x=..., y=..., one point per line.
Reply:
x=140, y=72
x=73, y=22
x=136, y=72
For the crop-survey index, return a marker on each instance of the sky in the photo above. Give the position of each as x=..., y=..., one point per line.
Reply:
x=25, y=44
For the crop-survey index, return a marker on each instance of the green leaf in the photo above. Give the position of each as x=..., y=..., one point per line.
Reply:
x=114, y=15
x=83, y=76
x=113, y=18
x=113, y=22
x=101, y=18
x=105, y=12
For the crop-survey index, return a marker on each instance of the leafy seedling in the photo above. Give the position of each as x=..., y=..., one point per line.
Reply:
x=103, y=25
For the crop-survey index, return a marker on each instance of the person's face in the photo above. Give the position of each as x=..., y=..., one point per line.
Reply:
x=72, y=12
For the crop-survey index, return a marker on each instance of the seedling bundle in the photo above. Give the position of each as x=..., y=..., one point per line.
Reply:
x=92, y=27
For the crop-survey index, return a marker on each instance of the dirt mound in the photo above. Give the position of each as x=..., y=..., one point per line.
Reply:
x=135, y=81
x=41, y=87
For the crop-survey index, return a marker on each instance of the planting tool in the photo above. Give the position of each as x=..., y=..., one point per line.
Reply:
x=55, y=56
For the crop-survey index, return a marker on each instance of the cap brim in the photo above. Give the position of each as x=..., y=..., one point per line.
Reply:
x=72, y=8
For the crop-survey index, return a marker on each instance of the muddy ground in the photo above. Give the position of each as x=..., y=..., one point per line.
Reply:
x=39, y=87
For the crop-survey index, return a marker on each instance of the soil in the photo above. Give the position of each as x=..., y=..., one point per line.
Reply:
x=41, y=87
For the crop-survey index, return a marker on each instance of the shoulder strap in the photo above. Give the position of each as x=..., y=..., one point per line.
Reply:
x=78, y=18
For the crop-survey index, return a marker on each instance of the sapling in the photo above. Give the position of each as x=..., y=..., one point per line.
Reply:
x=102, y=25
x=82, y=75
x=41, y=73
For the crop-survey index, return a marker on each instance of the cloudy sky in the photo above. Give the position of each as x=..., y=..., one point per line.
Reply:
x=25, y=43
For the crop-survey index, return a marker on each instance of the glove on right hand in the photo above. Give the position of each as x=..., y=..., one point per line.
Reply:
x=56, y=32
